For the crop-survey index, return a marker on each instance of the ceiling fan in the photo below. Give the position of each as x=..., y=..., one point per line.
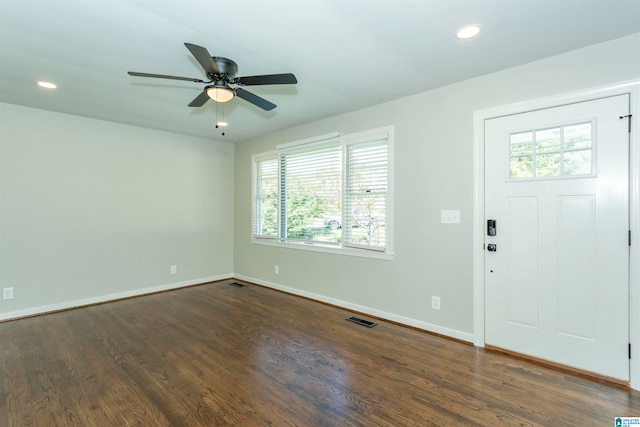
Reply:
x=221, y=73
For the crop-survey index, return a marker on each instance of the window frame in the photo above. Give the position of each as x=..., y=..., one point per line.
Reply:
x=349, y=249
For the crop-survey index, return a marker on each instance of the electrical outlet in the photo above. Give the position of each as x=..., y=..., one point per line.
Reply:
x=174, y=269
x=276, y=269
x=435, y=303
x=7, y=293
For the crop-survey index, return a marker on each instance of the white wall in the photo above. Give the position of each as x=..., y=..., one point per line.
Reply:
x=433, y=171
x=92, y=210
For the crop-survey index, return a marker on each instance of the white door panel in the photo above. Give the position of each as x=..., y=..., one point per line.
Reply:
x=557, y=286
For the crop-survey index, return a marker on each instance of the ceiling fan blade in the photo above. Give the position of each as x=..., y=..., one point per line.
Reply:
x=199, y=100
x=203, y=57
x=162, y=76
x=268, y=79
x=254, y=99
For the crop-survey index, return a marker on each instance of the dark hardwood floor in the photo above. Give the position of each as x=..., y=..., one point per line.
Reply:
x=217, y=355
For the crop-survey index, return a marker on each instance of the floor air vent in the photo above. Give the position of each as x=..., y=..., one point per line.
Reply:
x=362, y=322
x=237, y=285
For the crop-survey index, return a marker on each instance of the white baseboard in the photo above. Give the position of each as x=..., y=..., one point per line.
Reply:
x=463, y=336
x=106, y=298
x=453, y=333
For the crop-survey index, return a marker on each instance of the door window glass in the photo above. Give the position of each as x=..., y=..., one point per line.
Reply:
x=552, y=153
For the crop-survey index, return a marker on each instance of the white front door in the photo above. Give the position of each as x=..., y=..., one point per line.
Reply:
x=557, y=283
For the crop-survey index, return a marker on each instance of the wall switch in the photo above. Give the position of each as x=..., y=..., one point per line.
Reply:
x=435, y=303
x=450, y=217
x=7, y=293
x=276, y=269
x=174, y=269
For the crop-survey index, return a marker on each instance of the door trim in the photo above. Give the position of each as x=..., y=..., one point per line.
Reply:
x=479, y=117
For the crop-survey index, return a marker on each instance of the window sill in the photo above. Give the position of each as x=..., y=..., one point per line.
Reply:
x=315, y=247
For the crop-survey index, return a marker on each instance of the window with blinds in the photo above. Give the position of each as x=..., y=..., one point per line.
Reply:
x=265, y=197
x=311, y=192
x=330, y=192
x=366, y=193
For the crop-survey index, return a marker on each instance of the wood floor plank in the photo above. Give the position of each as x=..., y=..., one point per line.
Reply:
x=217, y=355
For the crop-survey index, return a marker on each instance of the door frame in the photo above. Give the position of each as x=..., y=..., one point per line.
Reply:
x=479, y=117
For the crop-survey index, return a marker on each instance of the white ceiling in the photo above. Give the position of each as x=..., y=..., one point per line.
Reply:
x=346, y=54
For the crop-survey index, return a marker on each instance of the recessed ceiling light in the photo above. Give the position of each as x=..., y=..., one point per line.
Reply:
x=468, y=32
x=47, y=85
x=222, y=124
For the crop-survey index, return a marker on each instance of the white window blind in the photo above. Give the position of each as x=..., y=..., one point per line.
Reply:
x=310, y=192
x=265, y=206
x=366, y=193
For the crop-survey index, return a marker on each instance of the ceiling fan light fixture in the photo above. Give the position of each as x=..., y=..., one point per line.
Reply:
x=220, y=93
x=468, y=32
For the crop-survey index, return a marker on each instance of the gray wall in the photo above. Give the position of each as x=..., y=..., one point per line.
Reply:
x=92, y=210
x=433, y=171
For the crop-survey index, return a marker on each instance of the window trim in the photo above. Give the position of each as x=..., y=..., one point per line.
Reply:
x=343, y=249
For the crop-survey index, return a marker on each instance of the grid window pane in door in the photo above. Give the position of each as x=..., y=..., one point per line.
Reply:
x=547, y=165
x=547, y=141
x=552, y=153
x=547, y=152
x=578, y=149
x=521, y=155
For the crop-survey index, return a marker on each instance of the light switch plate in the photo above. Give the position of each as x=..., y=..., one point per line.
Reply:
x=450, y=217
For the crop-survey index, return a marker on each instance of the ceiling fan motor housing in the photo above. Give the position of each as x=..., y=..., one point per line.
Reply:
x=228, y=68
